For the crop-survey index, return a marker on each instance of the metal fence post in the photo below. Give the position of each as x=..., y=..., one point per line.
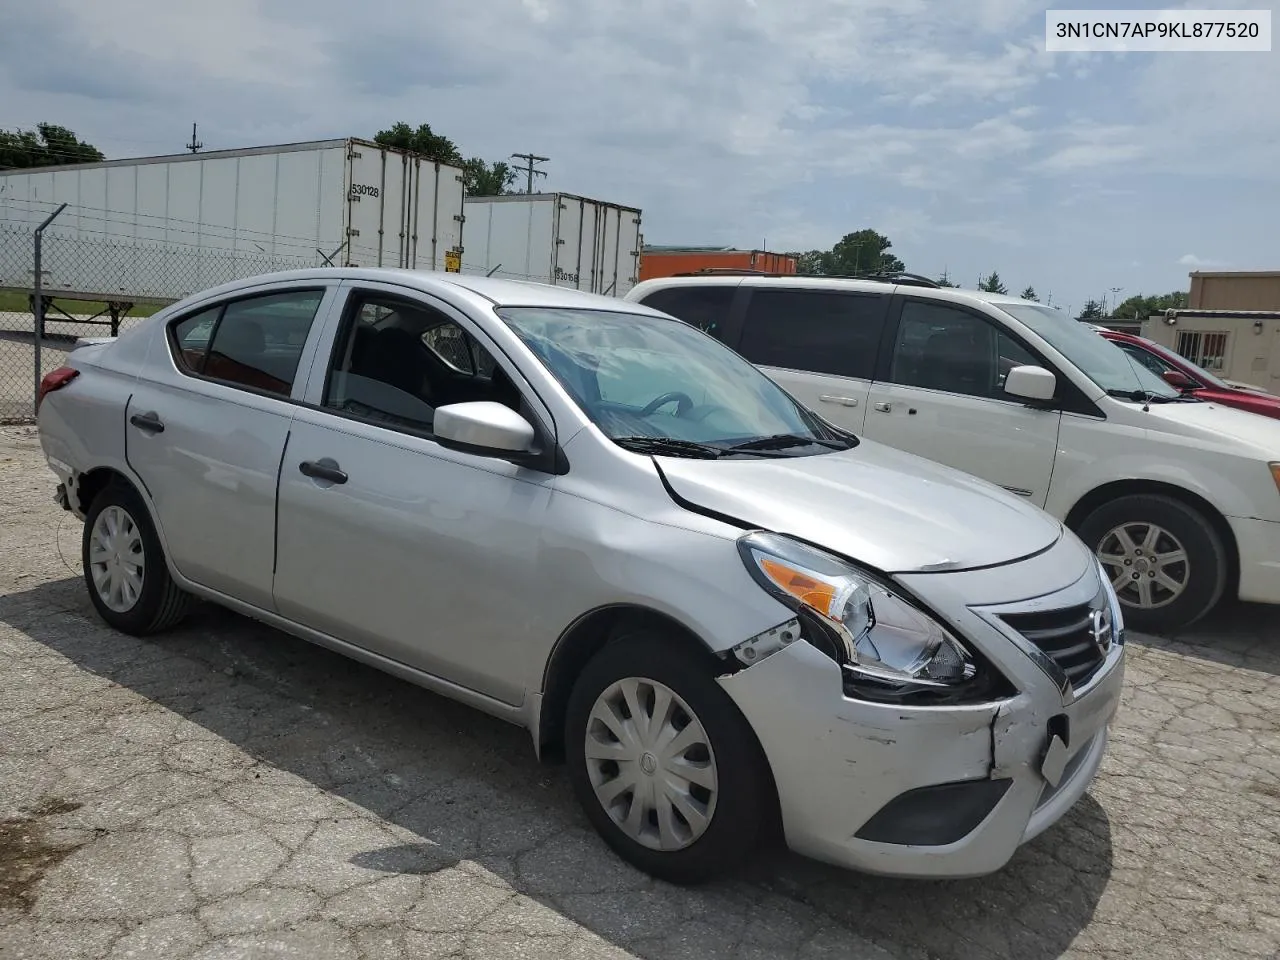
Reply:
x=38, y=305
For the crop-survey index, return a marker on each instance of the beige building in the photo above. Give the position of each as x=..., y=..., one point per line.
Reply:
x=1231, y=327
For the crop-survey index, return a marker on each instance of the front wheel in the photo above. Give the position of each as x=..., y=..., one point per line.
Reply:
x=1167, y=563
x=663, y=762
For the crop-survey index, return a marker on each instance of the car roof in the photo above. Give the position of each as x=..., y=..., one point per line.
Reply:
x=809, y=281
x=498, y=291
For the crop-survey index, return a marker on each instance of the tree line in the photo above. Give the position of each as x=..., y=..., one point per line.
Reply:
x=479, y=177
x=867, y=252
x=50, y=145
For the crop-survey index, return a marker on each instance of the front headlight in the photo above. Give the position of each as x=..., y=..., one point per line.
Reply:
x=1275, y=473
x=887, y=648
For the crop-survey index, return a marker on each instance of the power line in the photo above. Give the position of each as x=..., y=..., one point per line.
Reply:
x=530, y=172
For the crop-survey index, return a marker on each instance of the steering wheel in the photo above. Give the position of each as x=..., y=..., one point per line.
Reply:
x=683, y=403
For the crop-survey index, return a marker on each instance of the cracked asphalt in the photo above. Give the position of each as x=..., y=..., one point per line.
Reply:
x=226, y=791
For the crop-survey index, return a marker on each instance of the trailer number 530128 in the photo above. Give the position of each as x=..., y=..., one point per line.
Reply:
x=363, y=190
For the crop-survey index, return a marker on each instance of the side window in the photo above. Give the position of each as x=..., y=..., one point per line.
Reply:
x=940, y=347
x=1148, y=360
x=191, y=338
x=702, y=307
x=397, y=360
x=837, y=333
x=256, y=342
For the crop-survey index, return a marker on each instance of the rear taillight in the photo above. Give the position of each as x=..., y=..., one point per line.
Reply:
x=55, y=380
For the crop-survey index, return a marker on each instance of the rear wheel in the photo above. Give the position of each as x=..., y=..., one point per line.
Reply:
x=124, y=566
x=1167, y=563
x=664, y=764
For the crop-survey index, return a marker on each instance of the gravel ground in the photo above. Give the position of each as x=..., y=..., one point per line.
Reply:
x=227, y=791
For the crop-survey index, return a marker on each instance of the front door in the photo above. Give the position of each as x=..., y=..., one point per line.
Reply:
x=944, y=400
x=390, y=541
x=205, y=430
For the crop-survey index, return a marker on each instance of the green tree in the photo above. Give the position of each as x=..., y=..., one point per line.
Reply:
x=945, y=280
x=481, y=179
x=808, y=262
x=992, y=284
x=1139, y=307
x=1030, y=294
x=863, y=251
x=47, y=146
x=424, y=140
x=1092, y=311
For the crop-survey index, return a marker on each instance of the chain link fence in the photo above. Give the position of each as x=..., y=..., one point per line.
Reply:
x=103, y=270
x=98, y=285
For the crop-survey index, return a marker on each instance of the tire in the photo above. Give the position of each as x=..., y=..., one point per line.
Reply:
x=1203, y=574
x=737, y=808
x=145, y=606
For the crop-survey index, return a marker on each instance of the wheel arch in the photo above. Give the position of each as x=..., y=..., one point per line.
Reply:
x=1126, y=488
x=93, y=482
x=581, y=641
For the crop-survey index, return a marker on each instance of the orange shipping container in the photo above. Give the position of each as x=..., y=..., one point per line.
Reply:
x=669, y=261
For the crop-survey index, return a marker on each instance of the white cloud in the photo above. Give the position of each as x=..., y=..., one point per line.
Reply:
x=1191, y=260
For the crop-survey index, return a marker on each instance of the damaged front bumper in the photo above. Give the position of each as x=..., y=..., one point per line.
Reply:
x=938, y=791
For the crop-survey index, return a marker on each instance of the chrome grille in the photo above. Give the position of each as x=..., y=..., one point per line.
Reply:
x=1075, y=638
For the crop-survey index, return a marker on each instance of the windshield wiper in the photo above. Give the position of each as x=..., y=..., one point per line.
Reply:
x=781, y=441
x=669, y=447
x=1143, y=396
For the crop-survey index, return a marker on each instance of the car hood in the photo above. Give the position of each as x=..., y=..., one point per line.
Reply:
x=1215, y=423
x=881, y=507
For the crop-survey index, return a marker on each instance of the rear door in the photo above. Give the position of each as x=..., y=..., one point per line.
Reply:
x=206, y=427
x=944, y=399
x=819, y=345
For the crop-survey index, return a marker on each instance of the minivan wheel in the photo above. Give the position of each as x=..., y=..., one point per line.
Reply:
x=1166, y=562
x=124, y=566
x=664, y=764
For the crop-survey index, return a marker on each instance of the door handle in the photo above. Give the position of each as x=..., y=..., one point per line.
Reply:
x=149, y=422
x=884, y=406
x=844, y=401
x=319, y=470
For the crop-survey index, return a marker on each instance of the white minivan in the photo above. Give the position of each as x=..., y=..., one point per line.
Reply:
x=1180, y=498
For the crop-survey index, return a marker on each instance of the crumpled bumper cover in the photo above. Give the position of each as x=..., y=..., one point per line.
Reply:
x=838, y=762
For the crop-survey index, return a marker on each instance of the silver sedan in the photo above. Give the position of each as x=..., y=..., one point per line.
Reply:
x=722, y=613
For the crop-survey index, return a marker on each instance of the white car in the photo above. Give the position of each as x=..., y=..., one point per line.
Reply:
x=1180, y=498
x=592, y=520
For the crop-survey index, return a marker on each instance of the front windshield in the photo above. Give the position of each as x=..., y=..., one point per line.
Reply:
x=1098, y=358
x=657, y=384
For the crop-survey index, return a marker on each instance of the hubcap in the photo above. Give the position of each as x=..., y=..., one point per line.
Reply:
x=1148, y=565
x=651, y=764
x=116, y=561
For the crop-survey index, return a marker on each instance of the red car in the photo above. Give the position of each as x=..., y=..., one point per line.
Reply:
x=1179, y=372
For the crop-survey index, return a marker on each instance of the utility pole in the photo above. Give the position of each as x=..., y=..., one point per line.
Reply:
x=530, y=159
x=195, y=144
x=1115, y=292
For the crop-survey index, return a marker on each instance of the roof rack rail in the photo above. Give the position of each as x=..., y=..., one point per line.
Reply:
x=901, y=279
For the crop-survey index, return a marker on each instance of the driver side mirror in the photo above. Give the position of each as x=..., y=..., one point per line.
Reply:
x=1179, y=380
x=485, y=428
x=1031, y=383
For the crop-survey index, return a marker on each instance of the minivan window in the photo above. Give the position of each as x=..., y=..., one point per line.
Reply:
x=703, y=307
x=1098, y=358
x=661, y=386
x=813, y=330
x=940, y=347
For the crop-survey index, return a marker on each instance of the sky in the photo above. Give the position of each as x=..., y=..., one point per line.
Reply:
x=943, y=124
